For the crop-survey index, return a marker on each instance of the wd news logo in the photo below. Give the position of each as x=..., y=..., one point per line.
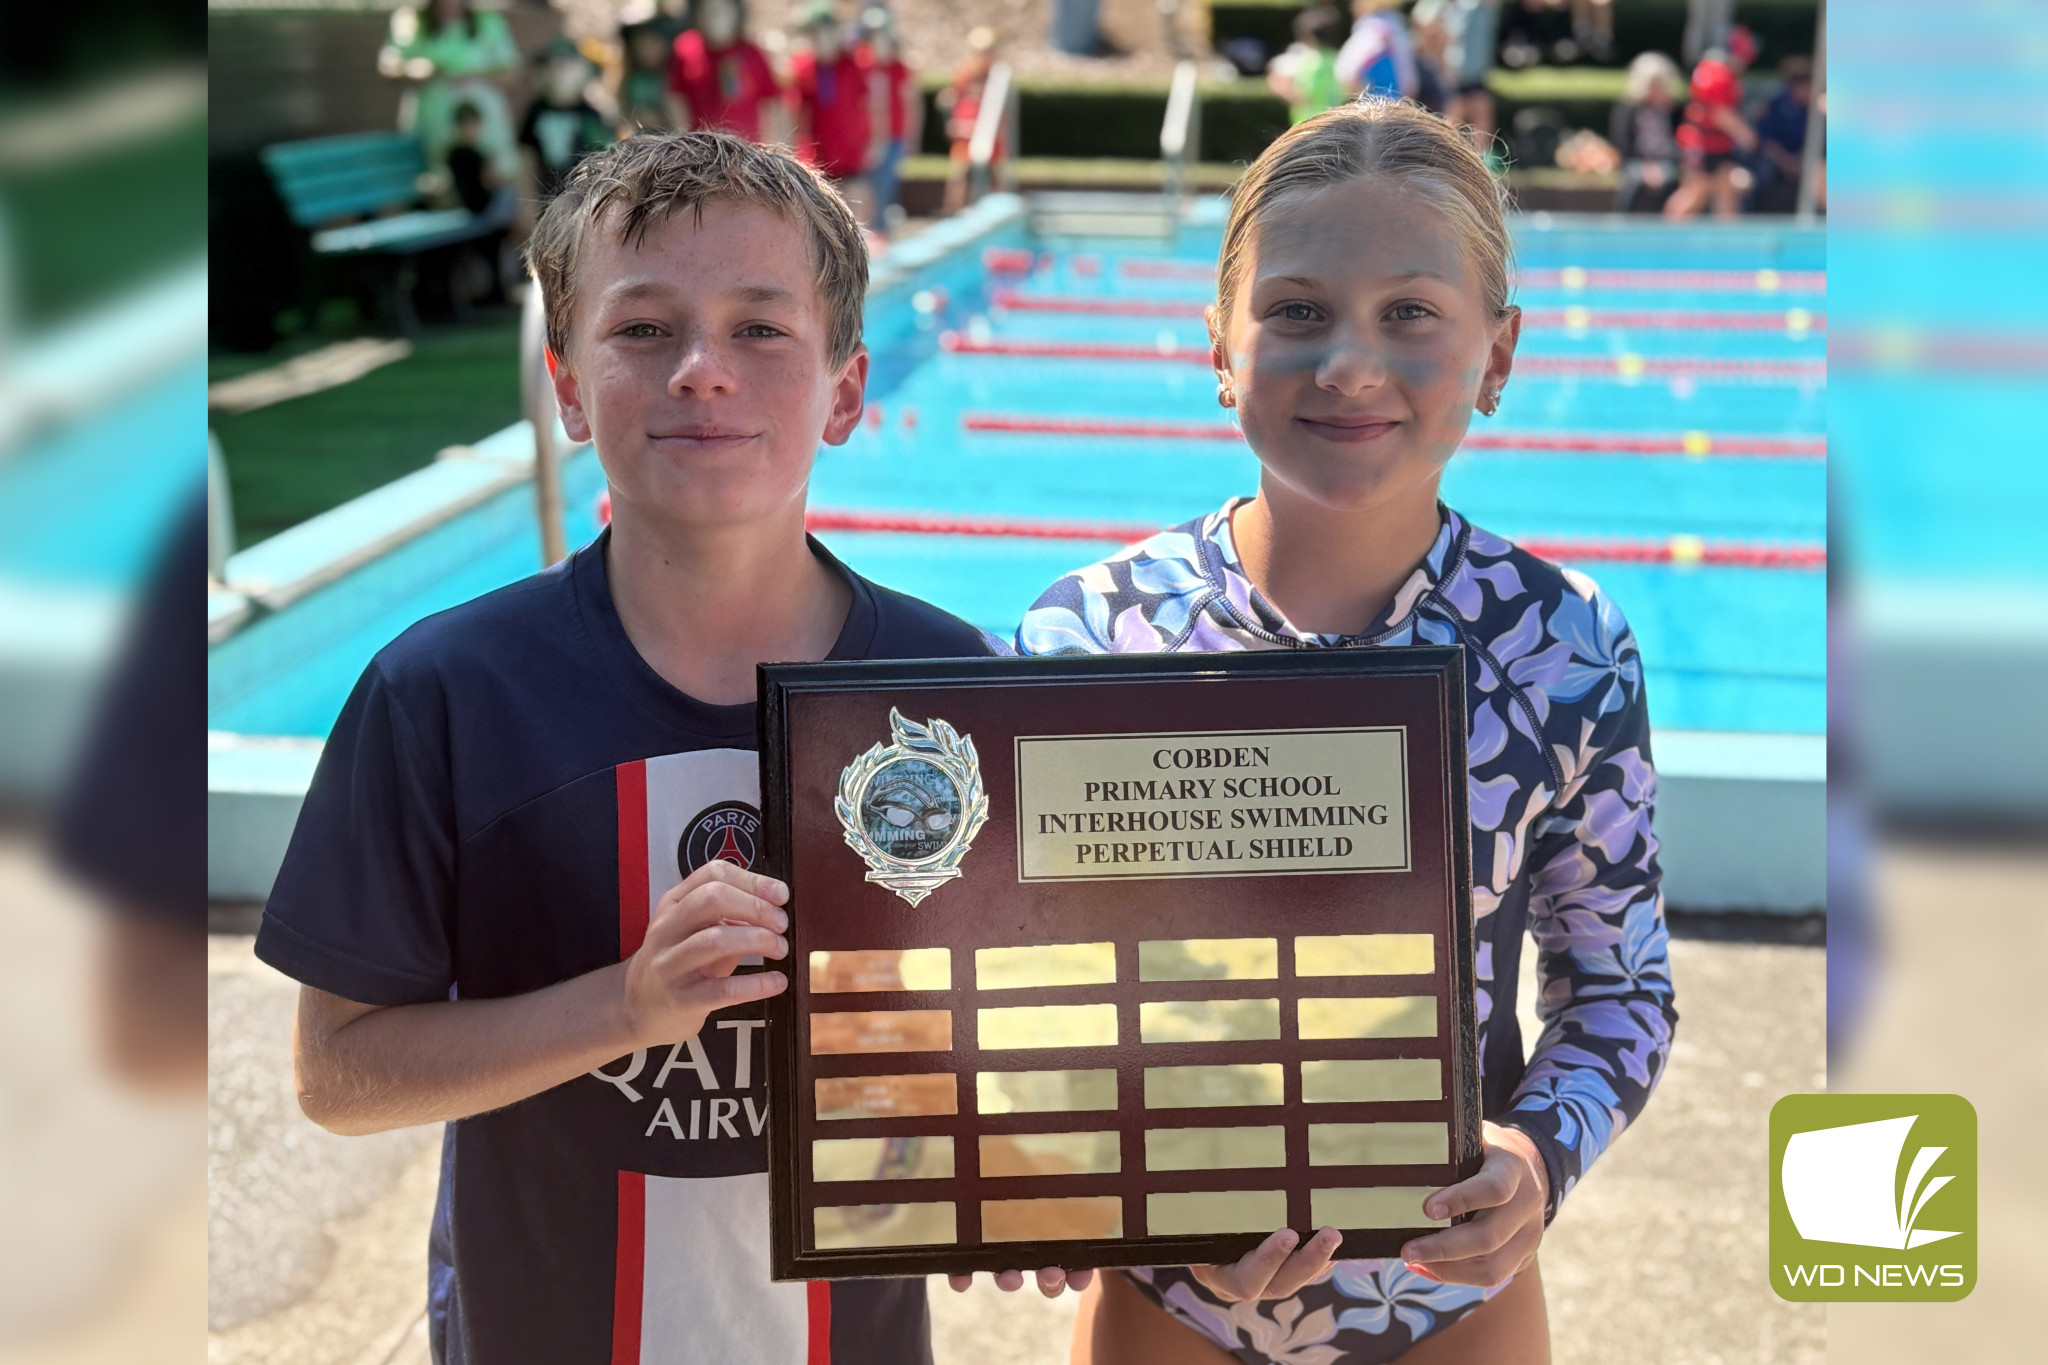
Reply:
x=1873, y=1198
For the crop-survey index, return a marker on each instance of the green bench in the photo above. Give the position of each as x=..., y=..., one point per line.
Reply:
x=358, y=195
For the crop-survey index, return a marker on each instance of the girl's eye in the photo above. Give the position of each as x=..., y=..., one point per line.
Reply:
x=1297, y=312
x=1410, y=312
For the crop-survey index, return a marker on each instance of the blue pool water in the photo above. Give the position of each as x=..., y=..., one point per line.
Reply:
x=1726, y=648
x=86, y=505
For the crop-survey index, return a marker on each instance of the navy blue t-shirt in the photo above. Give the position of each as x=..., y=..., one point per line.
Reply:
x=509, y=791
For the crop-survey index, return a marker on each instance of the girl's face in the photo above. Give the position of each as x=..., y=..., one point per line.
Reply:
x=1359, y=343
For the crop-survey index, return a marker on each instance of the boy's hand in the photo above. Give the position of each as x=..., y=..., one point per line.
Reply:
x=703, y=927
x=1273, y=1269
x=1052, y=1281
x=1509, y=1195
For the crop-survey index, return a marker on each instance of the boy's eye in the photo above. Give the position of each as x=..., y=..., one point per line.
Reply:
x=760, y=329
x=639, y=330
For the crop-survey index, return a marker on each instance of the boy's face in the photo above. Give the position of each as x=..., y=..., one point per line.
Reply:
x=698, y=364
x=1359, y=343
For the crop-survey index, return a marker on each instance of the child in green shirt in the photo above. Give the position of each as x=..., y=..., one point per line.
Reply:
x=1305, y=75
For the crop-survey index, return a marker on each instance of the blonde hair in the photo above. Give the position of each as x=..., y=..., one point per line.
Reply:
x=1645, y=73
x=1374, y=136
x=632, y=185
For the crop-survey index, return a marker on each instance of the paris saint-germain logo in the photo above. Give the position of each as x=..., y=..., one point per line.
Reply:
x=727, y=832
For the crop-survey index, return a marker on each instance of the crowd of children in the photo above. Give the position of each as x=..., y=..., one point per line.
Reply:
x=837, y=90
x=1680, y=146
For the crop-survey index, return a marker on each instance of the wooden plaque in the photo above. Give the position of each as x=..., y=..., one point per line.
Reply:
x=1116, y=960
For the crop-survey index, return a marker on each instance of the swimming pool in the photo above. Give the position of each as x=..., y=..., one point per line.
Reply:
x=1636, y=337
x=1648, y=354
x=1664, y=432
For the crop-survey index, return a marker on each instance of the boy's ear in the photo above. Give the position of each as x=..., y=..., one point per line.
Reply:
x=568, y=398
x=849, y=398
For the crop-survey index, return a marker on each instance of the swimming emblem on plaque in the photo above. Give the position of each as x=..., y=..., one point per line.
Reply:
x=912, y=807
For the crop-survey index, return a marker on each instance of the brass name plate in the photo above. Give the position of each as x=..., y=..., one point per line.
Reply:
x=1242, y=803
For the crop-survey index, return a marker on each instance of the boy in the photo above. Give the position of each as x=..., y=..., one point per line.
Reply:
x=519, y=886
x=720, y=81
x=898, y=110
x=469, y=170
x=560, y=127
x=828, y=104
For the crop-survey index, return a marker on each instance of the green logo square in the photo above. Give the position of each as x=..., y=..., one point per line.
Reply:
x=1873, y=1198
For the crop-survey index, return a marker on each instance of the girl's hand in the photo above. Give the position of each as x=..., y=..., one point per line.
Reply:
x=1509, y=1195
x=695, y=938
x=1273, y=1269
x=1052, y=1281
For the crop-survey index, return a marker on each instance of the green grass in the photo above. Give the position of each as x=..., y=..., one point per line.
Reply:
x=298, y=458
x=84, y=229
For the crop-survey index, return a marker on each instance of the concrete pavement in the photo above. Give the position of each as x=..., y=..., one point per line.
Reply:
x=319, y=1243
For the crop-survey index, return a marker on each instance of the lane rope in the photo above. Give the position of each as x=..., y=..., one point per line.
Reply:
x=1696, y=444
x=1795, y=321
x=1571, y=277
x=1681, y=550
x=1625, y=366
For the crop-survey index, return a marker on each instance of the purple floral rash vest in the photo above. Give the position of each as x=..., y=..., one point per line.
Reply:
x=1561, y=791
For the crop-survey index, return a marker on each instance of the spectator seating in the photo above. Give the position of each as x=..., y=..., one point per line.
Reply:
x=358, y=195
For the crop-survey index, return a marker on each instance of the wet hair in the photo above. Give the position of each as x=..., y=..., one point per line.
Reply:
x=1373, y=137
x=631, y=186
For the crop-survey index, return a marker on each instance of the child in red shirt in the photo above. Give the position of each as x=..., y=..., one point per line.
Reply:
x=718, y=80
x=828, y=97
x=897, y=104
x=1714, y=131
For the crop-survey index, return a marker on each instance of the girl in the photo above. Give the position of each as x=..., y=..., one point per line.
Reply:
x=1361, y=314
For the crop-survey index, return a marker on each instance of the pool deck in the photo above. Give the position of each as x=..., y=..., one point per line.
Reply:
x=320, y=1242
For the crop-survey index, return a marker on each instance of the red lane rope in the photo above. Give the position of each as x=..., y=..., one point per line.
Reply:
x=1674, y=550
x=1148, y=268
x=1666, y=319
x=1100, y=426
x=1565, y=277
x=1070, y=350
x=1626, y=366
x=1694, y=443
x=1081, y=303
x=1739, y=281
x=1676, y=366
x=1678, y=320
